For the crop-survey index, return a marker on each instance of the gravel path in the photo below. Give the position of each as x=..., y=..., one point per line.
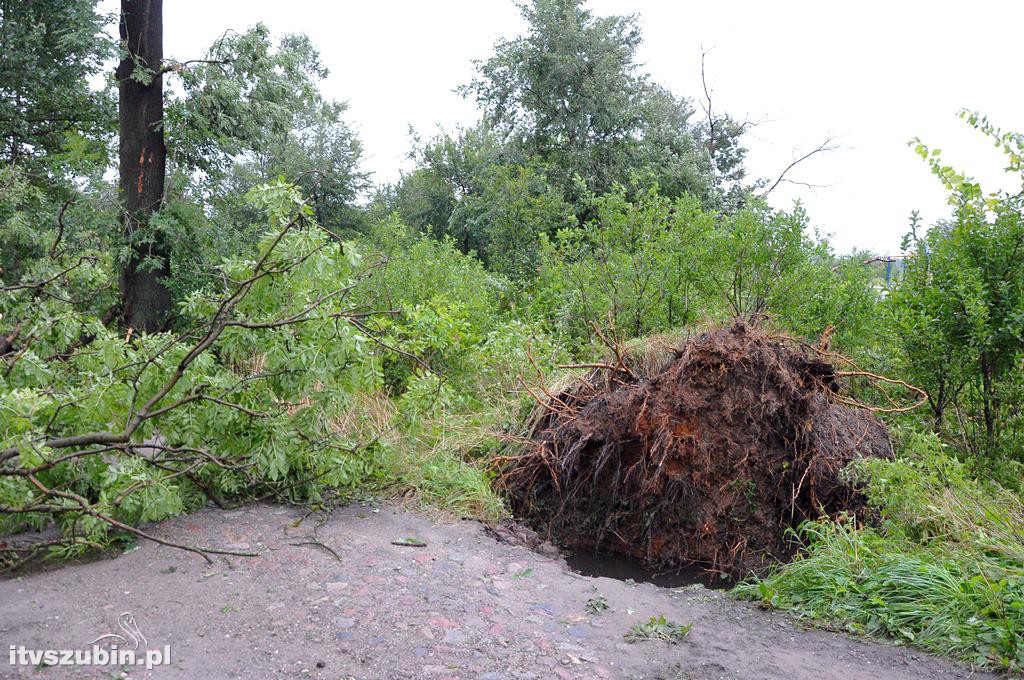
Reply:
x=463, y=606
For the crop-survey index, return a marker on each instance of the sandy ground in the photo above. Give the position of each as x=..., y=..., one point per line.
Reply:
x=463, y=606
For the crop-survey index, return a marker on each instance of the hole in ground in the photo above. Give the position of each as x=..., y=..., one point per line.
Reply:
x=623, y=568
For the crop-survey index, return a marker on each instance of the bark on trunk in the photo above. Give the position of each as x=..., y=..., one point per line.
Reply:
x=143, y=158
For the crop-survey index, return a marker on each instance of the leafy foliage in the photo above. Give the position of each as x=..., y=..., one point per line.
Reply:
x=654, y=264
x=959, y=311
x=51, y=121
x=596, y=605
x=567, y=114
x=572, y=93
x=250, y=416
x=631, y=266
x=509, y=215
x=250, y=113
x=449, y=168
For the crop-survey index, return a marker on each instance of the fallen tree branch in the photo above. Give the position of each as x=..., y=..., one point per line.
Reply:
x=319, y=544
x=149, y=405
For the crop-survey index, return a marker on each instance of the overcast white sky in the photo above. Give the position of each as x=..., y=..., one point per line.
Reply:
x=870, y=74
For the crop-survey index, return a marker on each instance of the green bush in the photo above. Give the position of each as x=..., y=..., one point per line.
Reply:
x=958, y=309
x=652, y=264
x=632, y=266
x=438, y=302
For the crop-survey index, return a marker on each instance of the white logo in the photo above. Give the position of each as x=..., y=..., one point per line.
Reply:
x=131, y=629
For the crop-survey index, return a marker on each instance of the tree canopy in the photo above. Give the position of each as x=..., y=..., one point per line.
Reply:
x=51, y=119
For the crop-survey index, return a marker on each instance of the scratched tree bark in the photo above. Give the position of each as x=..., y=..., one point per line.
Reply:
x=143, y=156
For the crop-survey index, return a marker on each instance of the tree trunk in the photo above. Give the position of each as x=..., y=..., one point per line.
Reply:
x=143, y=157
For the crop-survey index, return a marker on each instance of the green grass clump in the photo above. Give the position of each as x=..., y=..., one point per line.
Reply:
x=657, y=628
x=596, y=605
x=943, y=571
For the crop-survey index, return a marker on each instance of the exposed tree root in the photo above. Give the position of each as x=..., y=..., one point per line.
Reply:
x=706, y=452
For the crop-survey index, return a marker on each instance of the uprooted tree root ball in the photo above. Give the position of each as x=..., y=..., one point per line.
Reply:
x=702, y=453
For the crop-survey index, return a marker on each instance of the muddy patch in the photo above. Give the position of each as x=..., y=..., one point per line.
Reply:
x=631, y=570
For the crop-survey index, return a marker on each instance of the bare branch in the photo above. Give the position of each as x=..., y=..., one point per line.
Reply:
x=707, y=108
x=821, y=148
x=60, y=227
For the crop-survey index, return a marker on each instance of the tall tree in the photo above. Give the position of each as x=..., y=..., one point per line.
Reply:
x=48, y=51
x=567, y=90
x=572, y=93
x=143, y=160
x=251, y=111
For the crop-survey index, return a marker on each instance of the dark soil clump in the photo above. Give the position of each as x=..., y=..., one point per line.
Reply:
x=706, y=453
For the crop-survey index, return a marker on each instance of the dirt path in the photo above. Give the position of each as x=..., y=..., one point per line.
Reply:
x=464, y=606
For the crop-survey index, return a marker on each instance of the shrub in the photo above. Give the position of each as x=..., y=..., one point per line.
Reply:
x=632, y=266
x=958, y=310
